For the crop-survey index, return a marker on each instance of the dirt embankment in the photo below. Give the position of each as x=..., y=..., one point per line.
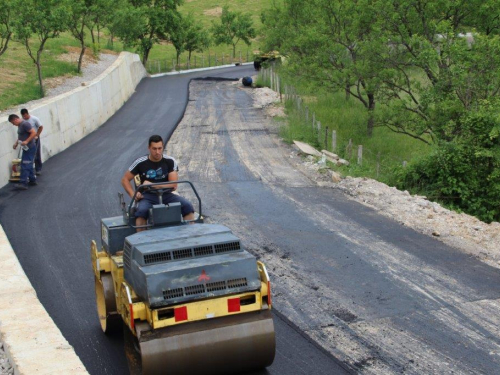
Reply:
x=458, y=230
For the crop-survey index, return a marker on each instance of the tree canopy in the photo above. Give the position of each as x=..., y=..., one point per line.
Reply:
x=143, y=23
x=426, y=69
x=233, y=27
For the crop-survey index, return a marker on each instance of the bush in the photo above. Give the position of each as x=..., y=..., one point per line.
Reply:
x=464, y=173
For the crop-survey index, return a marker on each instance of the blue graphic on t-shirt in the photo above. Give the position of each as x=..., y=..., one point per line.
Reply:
x=156, y=175
x=151, y=174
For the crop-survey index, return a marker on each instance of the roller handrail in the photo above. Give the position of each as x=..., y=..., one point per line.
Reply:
x=149, y=188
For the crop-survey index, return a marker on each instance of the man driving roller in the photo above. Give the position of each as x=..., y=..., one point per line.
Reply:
x=153, y=168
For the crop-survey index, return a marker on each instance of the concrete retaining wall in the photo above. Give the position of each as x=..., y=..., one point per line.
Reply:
x=69, y=117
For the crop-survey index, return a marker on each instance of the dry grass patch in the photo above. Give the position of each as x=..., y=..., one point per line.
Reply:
x=214, y=12
x=73, y=54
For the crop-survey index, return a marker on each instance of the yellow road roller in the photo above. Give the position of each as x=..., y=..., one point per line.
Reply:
x=15, y=172
x=188, y=294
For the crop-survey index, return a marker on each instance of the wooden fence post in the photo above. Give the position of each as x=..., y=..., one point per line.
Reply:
x=334, y=140
x=360, y=154
x=326, y=138
x=404, y=164
x=279, y=90
x=348, y=150
x=378, y=164
x=318, y=129
x=307, y=114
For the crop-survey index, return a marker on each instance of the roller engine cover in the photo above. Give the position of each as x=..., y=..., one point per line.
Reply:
x=172, y=265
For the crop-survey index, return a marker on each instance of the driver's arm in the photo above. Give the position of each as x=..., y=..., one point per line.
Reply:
x=173, y=176
x=127, y=177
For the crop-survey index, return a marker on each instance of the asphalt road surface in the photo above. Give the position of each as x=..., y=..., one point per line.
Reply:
x=379, y=295
x=50, y=226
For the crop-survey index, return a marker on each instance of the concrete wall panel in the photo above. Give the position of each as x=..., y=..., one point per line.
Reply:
x=69, y=117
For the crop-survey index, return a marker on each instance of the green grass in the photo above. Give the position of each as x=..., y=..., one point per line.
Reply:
x=383, y=152
x=18, y=76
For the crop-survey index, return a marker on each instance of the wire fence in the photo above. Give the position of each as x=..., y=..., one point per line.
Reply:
x=198, y=61
x=344, y=151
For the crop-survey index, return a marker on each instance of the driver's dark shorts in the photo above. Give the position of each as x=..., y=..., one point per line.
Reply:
x=149, y=200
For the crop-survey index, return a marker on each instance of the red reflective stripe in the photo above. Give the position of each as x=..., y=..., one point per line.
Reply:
x=181, y=314
x=269, y=293
x=132, y=323
x=233, y=304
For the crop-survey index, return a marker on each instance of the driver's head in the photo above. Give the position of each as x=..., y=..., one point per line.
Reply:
x=155, y=147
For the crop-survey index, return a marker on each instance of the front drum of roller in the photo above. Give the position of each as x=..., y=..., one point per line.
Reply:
x=228, y=345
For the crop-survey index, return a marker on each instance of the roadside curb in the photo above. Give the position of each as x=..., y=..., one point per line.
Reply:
x=32, y=341
x=198, y=70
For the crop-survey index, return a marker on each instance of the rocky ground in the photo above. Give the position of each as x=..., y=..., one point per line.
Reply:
x=462, y=231
x=5, y=366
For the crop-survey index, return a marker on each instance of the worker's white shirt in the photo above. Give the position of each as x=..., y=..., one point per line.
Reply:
x=35, y=122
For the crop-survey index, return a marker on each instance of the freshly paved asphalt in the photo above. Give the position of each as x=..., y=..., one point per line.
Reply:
x=50, y=226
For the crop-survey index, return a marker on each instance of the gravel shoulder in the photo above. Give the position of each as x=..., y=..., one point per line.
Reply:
x=459, y=230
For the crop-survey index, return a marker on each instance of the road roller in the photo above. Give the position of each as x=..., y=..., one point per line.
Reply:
x=15, y=172
x=187, y=294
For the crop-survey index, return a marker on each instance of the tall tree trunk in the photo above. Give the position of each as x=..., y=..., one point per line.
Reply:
x=347, y=92
x=92, y=34
x=40, y=81
x=371, y=114
x=145, y=56
x=82, y=52
x=189, y=57
x=98, y=34
x=4, y=47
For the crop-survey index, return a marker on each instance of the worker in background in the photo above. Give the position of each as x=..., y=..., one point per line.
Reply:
x=153, y=168
x=35, y=123
x=25, y=139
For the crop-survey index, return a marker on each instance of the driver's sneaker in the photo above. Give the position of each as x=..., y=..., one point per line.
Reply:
x=32, y=183
x=38, y=173
x=20, y=187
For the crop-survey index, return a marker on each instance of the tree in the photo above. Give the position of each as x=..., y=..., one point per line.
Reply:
x=178, y=36
x=197, y=39
x=464, y=172
x=44, y=19
x=5, y=24
x=143, y=23
x=233, y=27
x=80, y=14
x=102, y=14
x=337, y=51
x=437, y=74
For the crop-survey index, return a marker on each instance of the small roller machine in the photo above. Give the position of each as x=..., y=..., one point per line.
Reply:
x=189, y=296
x=15, y=172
